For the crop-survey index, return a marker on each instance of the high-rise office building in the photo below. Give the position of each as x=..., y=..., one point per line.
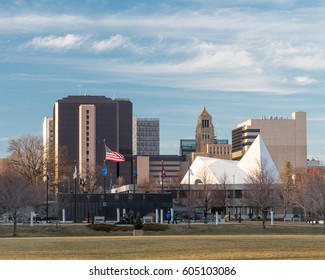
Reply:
x=146, y=136
x=48, y=137
x=284, y=137
x=186, y=148
x=81, y=125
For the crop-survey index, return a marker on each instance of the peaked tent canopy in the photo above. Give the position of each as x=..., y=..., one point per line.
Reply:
x=217, y=171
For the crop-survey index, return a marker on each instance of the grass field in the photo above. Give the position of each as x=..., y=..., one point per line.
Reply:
x=231, y=241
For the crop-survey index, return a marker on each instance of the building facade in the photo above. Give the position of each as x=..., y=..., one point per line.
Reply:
x=146, y=136
x=285, y=138
x=186, y=148
x=149, y=169
x=81, y=124
x=48, y=138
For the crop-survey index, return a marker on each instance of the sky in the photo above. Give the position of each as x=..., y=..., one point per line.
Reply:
x=241, y=59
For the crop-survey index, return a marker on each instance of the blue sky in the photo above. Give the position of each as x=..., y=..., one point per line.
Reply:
x=242, y=59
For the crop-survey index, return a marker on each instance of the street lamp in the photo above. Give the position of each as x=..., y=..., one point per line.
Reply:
x=189, y=195
x=47, y=193
x=75, y=175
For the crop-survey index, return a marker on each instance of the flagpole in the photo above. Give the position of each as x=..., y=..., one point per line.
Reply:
x=75, y=195
x=162, y=190
x=104, y=170
x=104, y=174
x=162, y=177
x=134, y=175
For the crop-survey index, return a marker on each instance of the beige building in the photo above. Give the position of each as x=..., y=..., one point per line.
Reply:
x=149, y=169
x=285, y=138
x=87, y=139
x=206, y=143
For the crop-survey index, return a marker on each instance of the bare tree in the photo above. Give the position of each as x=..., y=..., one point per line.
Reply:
x=301, y=195
x=27, y=155
x=285, y=190
x=148, y=185
x=204, y=195
x=260, y=192
x=17, y=195
x=188, y=201
x=91, y=178
x=220, y=197
x=120, y=181
x=314, y=185
x=51, y=169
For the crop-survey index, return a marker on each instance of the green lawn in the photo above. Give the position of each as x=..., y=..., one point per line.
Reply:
x=230, y=241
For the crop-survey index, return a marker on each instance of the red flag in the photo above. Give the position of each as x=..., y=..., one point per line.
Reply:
x=113, y=156
x=163, y=170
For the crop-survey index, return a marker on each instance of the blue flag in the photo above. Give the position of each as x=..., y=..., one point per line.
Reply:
x=104, y=171
x=111, y=183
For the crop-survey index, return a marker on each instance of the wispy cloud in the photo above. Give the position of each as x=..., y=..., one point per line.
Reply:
x=305, y=80
x=69, y=41
x=115, y=42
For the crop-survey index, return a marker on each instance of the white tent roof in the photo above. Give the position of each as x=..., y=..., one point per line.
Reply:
x=233, y=172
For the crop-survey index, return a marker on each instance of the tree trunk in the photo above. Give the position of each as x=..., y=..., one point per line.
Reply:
x=14, y=219
x=264, y=217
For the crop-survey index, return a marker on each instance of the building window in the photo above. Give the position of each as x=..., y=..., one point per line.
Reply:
x=238, y=193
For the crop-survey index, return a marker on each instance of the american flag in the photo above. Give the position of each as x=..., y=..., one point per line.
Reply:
x=113, y=156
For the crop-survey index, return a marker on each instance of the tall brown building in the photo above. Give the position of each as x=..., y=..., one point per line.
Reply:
x=81, y=123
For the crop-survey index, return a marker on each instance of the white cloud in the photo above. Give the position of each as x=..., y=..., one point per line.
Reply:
x=69, y=41
x=114, y=42
x=109, y=44
x=305, y=80
x=297, y=55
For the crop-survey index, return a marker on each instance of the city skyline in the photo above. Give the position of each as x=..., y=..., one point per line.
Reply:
x=241, y=59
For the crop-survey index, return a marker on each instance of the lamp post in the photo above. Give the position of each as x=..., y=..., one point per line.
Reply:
x=47, y=194
x=75, y=175
x=189, y=195
x=135, y=175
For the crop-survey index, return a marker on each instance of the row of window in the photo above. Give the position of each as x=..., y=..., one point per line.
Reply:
x=87, y=138
x=220, y=150
x=205, y=136
x=205, y=123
